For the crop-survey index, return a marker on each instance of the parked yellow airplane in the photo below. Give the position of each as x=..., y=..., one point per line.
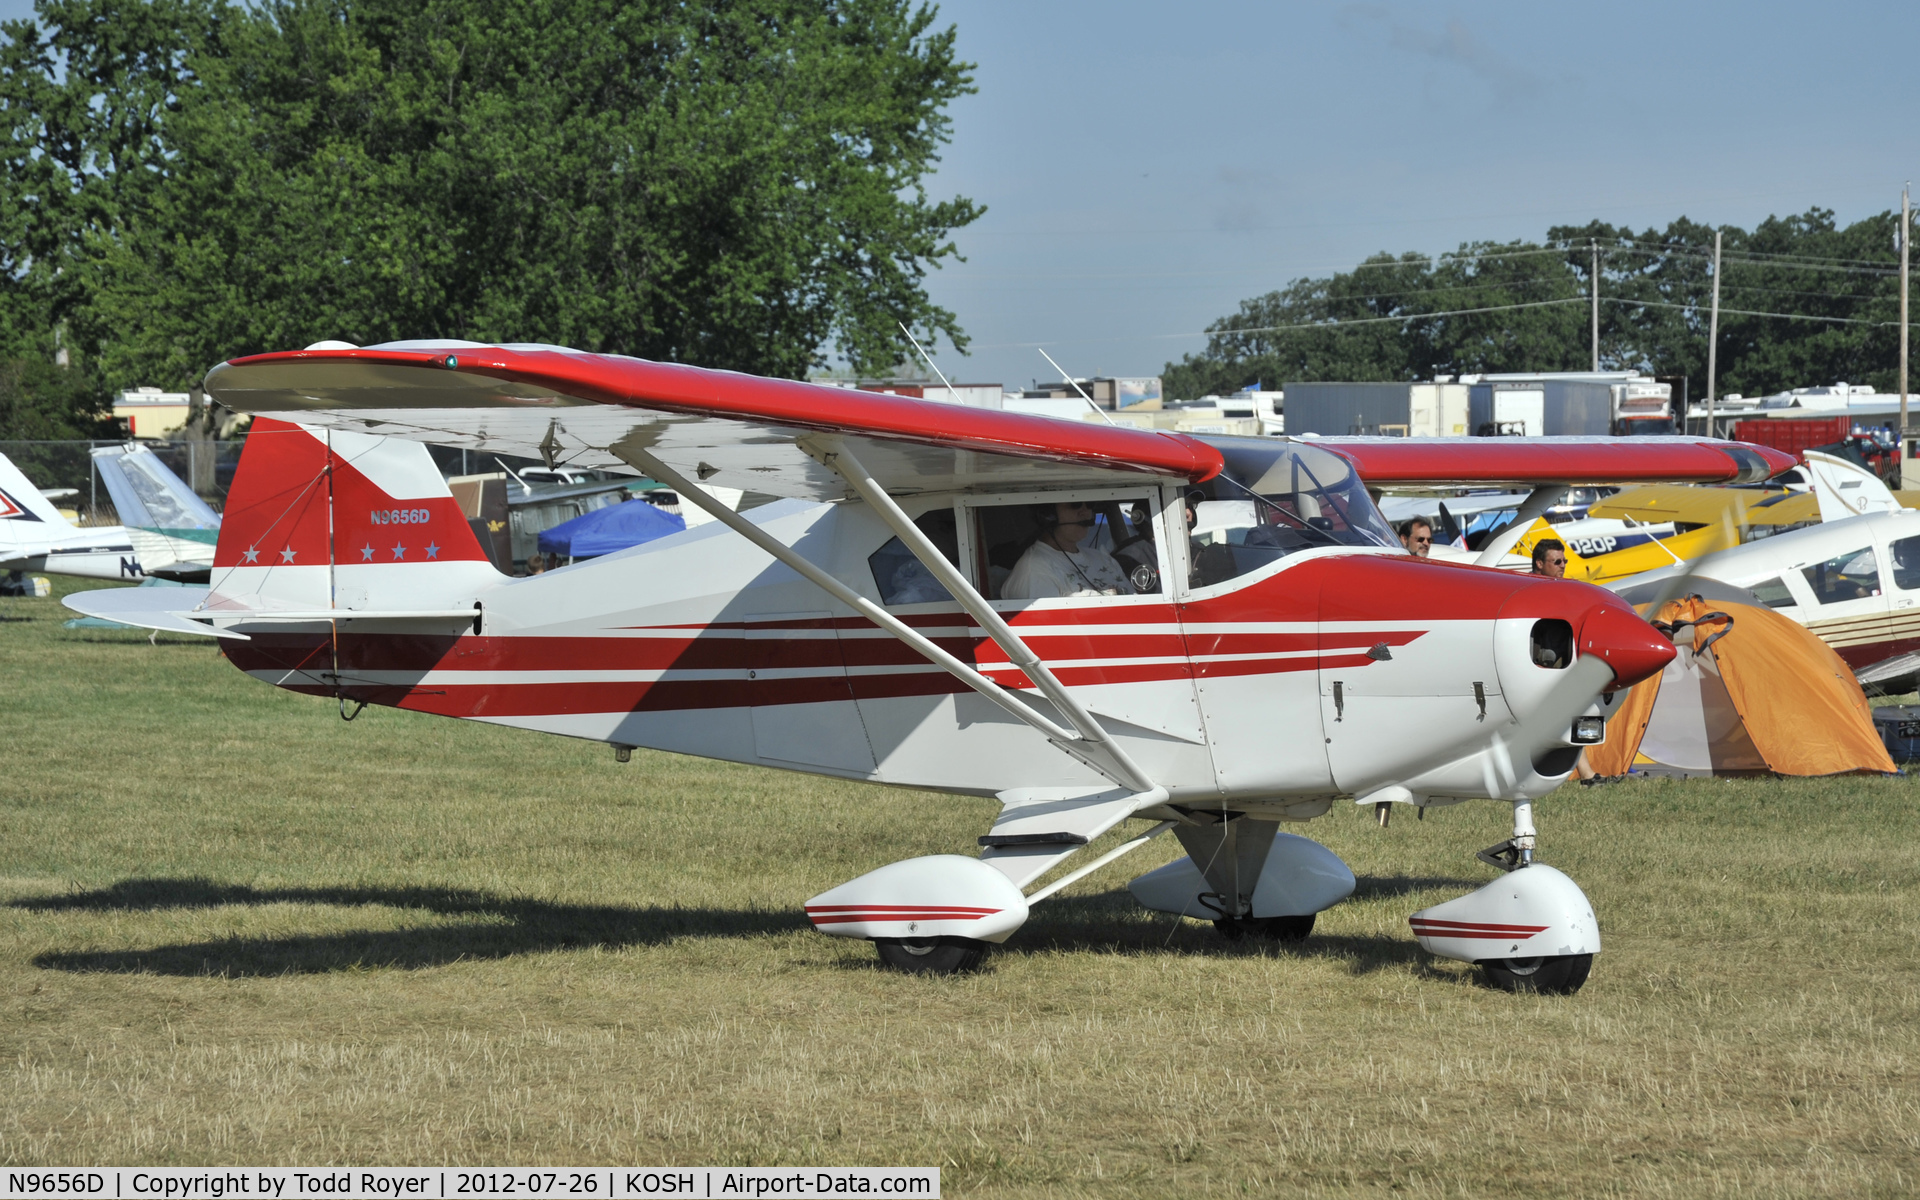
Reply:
x=1705, y=520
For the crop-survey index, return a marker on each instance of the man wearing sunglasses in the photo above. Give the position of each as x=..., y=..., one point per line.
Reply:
x=1550, y=558
x=1062, y=560
x=1417, y=537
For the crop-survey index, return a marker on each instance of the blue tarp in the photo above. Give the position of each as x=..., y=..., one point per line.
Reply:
x=605, y=530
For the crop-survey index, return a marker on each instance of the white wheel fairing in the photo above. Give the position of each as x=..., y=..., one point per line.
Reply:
x=1299, y=877
x=921, y=899
x=1532, y=913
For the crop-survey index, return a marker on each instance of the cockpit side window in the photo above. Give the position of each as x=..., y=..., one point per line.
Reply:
x=1065, y=545
x=1276, y=499
x=1906, y=563
x=1850, y=576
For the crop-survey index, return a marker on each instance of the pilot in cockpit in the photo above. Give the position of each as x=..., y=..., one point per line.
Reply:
x=1062, y=560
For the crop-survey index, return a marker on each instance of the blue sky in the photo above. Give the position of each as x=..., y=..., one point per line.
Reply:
x=1146, y=166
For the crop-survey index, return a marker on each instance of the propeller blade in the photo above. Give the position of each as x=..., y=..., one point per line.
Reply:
x=1675, y=586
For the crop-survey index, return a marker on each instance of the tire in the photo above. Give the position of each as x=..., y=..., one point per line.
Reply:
x=931, y=956
x=1284, y=929
x=1279, y=929
x=1559, y=975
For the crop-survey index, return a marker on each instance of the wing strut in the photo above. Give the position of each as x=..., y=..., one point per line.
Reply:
x=1096, y=748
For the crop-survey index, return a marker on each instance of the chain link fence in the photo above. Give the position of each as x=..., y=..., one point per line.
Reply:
x=206, y=466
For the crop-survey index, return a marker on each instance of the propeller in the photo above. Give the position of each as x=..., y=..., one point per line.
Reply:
x=1610, y=654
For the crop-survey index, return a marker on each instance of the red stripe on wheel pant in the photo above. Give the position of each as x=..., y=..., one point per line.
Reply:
x=1437, y=922
x=910, y=909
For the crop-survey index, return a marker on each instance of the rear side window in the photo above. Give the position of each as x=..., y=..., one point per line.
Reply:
x=1850, y=576
x=902, y=578
x=1906, y=564
x=1774, y=594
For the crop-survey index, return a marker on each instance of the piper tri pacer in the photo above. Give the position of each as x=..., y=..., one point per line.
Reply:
x=856, y=627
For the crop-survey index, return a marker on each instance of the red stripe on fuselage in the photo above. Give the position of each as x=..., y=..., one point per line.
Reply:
x=1085, y=643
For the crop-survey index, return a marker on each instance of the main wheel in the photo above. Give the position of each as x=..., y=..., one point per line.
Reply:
x=1557, y=975
x=1284, y=929
x=1279, y=929
x=931, y=956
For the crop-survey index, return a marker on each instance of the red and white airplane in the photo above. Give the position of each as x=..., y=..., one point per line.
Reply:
x=855, y=626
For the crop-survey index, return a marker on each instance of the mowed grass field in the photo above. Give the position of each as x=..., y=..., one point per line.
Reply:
x=236, y=930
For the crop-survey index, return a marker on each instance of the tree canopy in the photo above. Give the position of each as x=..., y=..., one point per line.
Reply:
x=731, y=183
x=1410, y=316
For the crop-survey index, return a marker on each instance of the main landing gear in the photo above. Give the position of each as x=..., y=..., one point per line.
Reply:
x=1274, y=929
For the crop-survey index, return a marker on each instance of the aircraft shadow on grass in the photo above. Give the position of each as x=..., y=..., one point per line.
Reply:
x=1111, y=923
x=498, y=927
x=502, y=927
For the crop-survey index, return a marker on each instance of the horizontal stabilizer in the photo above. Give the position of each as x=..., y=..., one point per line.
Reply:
x=148, y=608
x=308, y=616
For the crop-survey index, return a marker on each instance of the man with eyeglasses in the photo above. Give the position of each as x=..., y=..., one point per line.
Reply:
x=1550, y=558
x=1057, y=564
x=1417, y=536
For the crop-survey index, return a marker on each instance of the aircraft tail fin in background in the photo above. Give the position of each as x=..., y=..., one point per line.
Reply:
x=320, y=519
x=172, y=530
x=147, y=494
x=1846, y=489
x=21, y=505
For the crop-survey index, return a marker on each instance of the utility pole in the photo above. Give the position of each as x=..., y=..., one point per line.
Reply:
x=1906, y=235
x=1594, y=245
x=1713, y=334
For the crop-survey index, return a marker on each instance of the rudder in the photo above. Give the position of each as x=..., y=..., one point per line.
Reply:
x=318, y=518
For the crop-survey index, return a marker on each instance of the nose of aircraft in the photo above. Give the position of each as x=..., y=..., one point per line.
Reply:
x=1619, y=637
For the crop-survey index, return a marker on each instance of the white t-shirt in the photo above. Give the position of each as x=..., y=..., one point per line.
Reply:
x=1045, y=571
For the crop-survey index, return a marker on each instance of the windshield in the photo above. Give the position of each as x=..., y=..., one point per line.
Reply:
x=1275, y=498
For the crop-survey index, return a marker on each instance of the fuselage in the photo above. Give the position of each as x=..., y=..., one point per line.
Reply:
x=1855, y=582
x=1331, y=672
x=105, y=552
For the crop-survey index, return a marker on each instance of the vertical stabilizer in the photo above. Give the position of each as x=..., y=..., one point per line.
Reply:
x=22, y=502
x=172, y=530
x=1846, y=489
x=322, y=519
x=148, y=494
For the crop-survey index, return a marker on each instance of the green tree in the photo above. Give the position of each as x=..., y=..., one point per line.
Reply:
x=727, y=184
x=1838, y=288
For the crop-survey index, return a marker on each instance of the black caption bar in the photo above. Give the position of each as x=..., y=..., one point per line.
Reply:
x=478, y=1183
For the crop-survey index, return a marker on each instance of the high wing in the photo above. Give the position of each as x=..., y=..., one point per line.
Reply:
x=721, y=427
x=739, y=431
x=1657, y=503
x=1545, y=461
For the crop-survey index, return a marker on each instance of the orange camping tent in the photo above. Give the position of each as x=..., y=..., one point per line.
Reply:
x=1750, y=691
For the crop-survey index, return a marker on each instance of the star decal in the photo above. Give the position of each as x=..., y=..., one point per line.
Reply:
x=433, y=551
x=366, y=554
x=286, y=556
x=399, y=552
x=252, y=554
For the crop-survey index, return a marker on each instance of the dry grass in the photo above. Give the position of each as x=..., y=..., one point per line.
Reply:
x=235, y=930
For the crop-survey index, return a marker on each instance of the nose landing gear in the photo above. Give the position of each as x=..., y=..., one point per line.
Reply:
x=1532, y=930
x=1552, y=975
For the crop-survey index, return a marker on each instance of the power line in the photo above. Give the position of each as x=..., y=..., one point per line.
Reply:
x=1461, y=312
x=1747, y=312
x=1455, y=312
